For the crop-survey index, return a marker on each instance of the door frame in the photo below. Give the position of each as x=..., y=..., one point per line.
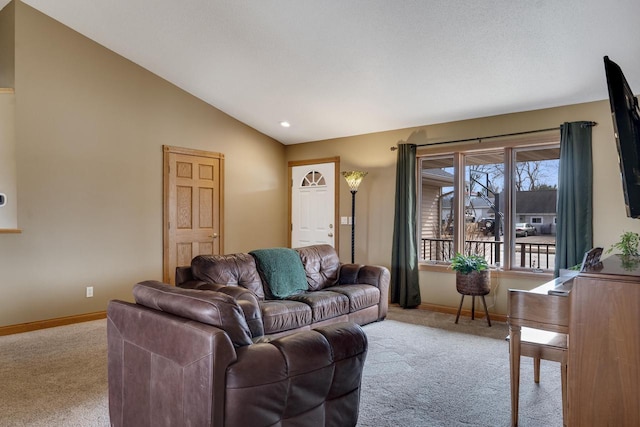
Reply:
x=166, y=151
x=336, y=195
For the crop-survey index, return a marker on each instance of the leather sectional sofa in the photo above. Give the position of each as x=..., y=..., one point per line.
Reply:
x=184, y=357
x=332, y=292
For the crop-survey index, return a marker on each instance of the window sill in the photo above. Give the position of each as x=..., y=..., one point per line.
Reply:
x=519, y=273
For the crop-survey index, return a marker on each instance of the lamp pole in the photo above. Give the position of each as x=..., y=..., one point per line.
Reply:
x=353, y=178
x=353, y=224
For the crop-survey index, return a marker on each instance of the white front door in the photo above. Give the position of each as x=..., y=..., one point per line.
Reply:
x=313, y=205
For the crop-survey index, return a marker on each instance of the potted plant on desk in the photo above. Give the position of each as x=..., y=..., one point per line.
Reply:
x=472, y=274
x=628, y=245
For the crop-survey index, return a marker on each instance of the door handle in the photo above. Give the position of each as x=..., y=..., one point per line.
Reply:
x=214, y=236
x=330, y=234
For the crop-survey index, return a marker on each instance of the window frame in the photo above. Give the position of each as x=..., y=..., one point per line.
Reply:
x=459, y=152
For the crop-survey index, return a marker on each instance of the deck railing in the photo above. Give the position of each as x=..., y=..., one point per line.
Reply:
x=529, y=255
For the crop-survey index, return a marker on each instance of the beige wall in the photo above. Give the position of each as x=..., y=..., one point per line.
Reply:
x=8, y=185
x=9, y=212
x=375, y=199
x=90, y=127
x=7, y=45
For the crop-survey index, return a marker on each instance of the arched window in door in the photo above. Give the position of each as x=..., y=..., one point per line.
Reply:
x=313, y=179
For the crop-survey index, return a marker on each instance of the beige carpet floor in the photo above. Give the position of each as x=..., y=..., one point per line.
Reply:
x=421, y=370
x=55, y=377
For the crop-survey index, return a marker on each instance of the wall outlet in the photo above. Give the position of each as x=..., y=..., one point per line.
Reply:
x=89, y=291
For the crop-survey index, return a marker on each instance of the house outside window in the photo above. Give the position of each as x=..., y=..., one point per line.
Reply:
x=490, y=203
x=436, y=202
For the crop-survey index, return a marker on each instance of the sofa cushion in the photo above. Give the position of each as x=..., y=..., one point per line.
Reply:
x=324, y=304
x=283, y=315
x=360, y=296
x=281, y=270
x=311, y=378
x=231, y=270
x=210, y=307
x=321, y=265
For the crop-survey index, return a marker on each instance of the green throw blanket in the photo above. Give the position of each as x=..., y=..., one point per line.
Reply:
x=282, y=271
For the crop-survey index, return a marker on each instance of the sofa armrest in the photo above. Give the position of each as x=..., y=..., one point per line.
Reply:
x=248, y=302
x=298, y=376
x=374, y=275
x=165, y=369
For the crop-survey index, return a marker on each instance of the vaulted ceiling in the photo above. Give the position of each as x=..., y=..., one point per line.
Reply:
x=336, y=68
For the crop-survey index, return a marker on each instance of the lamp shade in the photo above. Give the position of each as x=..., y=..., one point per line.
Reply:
x=354, y=178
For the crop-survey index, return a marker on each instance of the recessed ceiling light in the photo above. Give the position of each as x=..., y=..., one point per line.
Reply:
x=285, y=124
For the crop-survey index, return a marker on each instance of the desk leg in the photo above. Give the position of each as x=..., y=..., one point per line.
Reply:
x=563, y=377
x=514, y=366
x=536, y=370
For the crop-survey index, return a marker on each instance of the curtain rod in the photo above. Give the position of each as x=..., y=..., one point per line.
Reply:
x=480, y=138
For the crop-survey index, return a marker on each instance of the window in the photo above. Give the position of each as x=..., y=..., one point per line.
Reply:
x=484, y=178
x=504, y=197
x=313, y=179
x=436, y=203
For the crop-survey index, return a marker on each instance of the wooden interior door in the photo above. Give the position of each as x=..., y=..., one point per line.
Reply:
x=193, y=198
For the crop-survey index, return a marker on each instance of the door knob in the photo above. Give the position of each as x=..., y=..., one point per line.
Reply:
x=330, y=234
x=214, y=236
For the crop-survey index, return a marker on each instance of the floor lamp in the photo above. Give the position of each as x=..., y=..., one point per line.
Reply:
x=354, y=178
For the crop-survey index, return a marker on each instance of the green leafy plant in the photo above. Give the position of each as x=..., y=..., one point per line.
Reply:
x=465, y=264
x=628, y=244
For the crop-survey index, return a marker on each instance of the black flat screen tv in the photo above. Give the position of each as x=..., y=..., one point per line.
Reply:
x=626, y=124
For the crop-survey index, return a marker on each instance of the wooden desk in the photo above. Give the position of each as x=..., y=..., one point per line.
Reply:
x=604, y=350
x=537, y=309
x=601, y=315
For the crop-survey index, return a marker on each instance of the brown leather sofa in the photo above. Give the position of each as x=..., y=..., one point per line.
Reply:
x=333, y=292
x=183, y=357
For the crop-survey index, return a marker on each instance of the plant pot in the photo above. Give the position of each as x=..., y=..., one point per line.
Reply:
x=474, y=283
x=629, y=262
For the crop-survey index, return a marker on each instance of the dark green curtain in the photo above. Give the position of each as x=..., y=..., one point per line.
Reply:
x=405, y=289
x=574, y=228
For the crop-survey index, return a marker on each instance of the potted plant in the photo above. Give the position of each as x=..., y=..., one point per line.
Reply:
x=628, y=244
x=472, y=274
